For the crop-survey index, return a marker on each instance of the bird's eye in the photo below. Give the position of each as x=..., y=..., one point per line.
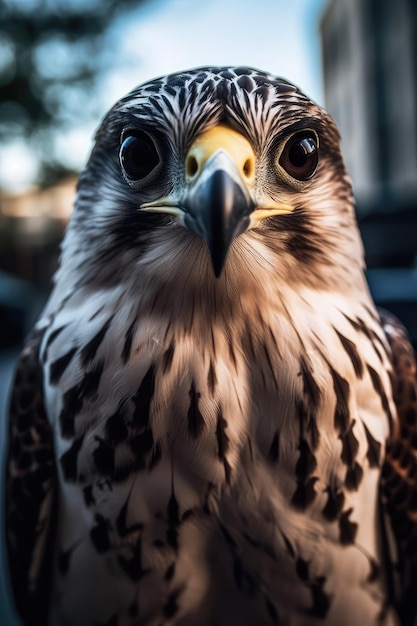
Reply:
x=300, y=155
x=138, y=155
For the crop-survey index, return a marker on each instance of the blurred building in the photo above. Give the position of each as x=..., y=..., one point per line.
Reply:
x=31, y=228
x=369, y=50
x=370, y=80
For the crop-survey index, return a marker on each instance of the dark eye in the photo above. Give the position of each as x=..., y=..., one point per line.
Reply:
x=300, y=156
x=138, y=155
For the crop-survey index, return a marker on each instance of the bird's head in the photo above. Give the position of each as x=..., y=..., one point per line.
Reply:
x=219, y=163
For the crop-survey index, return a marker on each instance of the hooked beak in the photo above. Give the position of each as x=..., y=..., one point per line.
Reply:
x=218, y=206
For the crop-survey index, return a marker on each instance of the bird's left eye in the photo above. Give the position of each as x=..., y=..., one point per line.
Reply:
x=138, y=156
x=300, y=155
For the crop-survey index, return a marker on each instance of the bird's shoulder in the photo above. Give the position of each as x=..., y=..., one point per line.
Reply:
x=29, y=484
x=399, y=484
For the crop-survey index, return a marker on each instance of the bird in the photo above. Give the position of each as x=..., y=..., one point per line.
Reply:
x=211, y=422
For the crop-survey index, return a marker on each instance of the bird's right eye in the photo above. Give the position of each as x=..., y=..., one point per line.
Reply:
x=138, y=156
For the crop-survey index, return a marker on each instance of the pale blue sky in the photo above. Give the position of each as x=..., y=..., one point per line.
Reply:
x=162, y=36
x=276, y=35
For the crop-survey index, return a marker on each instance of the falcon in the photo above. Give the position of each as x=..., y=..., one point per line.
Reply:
x=211, y=423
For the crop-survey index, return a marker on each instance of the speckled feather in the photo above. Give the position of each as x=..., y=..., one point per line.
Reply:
x=186, y=449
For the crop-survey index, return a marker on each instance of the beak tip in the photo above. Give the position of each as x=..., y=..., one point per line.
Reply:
x=218, y=269
x=218, y=258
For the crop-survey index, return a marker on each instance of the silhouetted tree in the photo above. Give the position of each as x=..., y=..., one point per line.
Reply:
x=52, y=54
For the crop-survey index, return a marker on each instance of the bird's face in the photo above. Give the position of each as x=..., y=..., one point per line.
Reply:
x=219, y=155
x=217, y=198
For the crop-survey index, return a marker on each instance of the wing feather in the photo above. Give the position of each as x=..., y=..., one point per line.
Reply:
x=29, y=493
x=399, y=483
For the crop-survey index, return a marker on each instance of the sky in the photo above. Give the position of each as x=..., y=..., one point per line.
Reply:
x=162, y=36
x=280, y=36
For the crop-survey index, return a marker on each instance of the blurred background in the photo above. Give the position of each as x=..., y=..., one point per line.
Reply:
x=63, y=63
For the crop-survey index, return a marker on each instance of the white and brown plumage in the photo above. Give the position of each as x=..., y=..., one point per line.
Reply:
x=203, y=429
